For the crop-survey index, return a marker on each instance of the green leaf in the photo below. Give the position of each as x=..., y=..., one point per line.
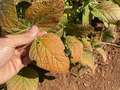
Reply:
x=106, y=11
x=76, y=48
x=117, y=1
x=26, y=79
x=96, y=43
x=48, y=52
x=86, y=2
x=64, y=20
x=86, y=44
x=85, y=17
x=60, y=33
x=109, y=35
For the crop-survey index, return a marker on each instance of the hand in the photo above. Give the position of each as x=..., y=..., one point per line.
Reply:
x=12, y=48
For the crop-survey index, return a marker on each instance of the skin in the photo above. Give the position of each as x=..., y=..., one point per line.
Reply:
x=13, y=56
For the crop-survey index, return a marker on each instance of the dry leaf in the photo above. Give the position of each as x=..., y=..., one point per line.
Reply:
x=45, y=13
x=8, y=17
x=79, y=30
x=75, y=47
x=48, y=52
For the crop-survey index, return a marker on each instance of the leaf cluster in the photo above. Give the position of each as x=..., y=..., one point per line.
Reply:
x=75, y=28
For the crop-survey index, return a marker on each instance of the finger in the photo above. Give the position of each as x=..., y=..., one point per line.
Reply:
x=22, y=49
x=18, y=40
x=5, y=54
x=10, y=69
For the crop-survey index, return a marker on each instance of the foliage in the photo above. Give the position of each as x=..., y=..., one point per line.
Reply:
x=75, y=29
x=27, y=79
x=49, y=55
x=76, y=48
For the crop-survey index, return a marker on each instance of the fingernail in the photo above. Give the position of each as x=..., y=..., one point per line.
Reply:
x=42, y=33
x=36, y=31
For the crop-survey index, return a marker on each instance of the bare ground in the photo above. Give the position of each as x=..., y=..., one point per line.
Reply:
x=106, y=77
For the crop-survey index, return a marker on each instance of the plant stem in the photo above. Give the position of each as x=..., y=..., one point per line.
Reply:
x=85, y=18
x=112, y=44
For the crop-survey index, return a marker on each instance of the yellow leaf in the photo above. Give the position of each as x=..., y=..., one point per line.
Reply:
x=48, y=52
x=75, y=47
x=87, y=59
x=27, y=79
x=102, y=53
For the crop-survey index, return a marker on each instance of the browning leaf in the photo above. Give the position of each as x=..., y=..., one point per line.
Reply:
x=27, y=79
x=79, y=30
x=75, y=47
x=48, y=52
x=8, y=17
x=107, y=11
x=45, y=13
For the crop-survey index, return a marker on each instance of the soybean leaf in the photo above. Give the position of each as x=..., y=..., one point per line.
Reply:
x=8, y=17
x=26, y=79
x=107, y=11
x=45, y=13
x=48, y=52
x=87, y=59
x=76, y=48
